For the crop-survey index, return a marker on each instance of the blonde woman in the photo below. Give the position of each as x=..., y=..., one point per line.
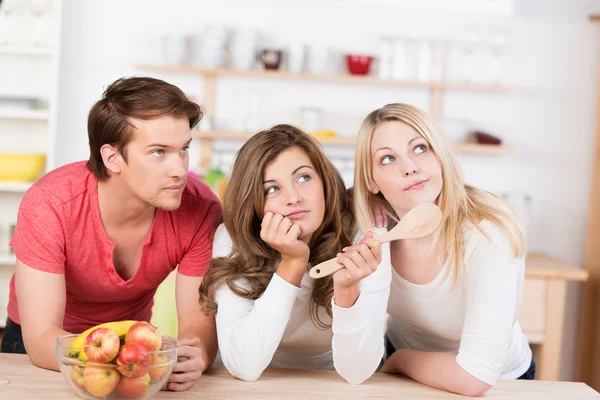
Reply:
x=285, y=209
x=455, y=295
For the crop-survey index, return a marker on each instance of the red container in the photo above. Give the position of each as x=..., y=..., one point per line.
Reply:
x=359, y=64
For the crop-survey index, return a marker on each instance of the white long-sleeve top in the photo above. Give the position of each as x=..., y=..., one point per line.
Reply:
x=477, y=319
x=276, y=330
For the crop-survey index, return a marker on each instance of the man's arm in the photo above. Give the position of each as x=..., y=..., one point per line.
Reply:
x=197, y=335
x=42, y=298
x=193, y=323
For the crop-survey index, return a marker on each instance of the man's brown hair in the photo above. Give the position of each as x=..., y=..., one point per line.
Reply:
x=141, y=98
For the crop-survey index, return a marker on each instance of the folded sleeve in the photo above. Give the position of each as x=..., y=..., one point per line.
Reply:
x=249, y=331
x=358, y=340
x=493, y=293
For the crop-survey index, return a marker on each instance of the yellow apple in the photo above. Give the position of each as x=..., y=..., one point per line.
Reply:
x=100, y=381
x=77, y=376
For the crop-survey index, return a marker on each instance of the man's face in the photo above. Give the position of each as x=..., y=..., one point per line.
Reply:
x=158, y=161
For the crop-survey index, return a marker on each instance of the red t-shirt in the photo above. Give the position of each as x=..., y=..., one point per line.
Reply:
x=59, y=230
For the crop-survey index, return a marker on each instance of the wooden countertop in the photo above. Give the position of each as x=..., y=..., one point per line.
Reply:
x=544, y=267
x=19, y=379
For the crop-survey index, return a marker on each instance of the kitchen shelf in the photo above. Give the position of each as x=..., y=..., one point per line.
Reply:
x=436, y=96
x=7, y=259
x=25, y=51
x=473, y=148
x=14, y=187
x=31, y=115
x=350, y=79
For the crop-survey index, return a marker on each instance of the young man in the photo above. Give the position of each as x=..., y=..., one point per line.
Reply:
x=94, y=240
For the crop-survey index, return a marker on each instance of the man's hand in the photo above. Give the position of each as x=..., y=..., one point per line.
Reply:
x=189, y=367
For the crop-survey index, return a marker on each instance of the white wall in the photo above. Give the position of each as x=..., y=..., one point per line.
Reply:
x=551, y=121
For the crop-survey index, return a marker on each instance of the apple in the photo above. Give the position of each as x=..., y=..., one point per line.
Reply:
x=77, y=376
x=132, y=388
x=157, y=372
x=133, y=360
x=100, y=381
x=146, y=334
x=101, y=345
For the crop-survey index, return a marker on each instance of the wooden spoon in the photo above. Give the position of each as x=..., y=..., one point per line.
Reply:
x=422, y=220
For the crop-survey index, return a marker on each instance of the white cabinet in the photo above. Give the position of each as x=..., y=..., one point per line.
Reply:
x=29, y=67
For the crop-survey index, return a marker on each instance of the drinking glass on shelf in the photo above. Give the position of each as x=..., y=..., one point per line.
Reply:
x=470, y=44
x=8, y=22
x=497, y=44
x=40, y=10
x=440, y=50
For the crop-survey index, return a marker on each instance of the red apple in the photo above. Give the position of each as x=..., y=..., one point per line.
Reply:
x=132, y=388
x=101, y=345
x=133, y=360
x=146, y=334
x=157, y=372
x=100, y=381
x=77, y=376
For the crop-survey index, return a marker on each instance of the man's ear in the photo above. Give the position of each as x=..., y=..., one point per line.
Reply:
x=111, y=158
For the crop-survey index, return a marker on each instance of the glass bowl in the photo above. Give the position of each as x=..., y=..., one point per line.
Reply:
x=97, y=380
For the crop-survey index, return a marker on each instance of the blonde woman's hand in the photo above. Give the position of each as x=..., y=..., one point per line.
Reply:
x=282, y=235
x=360, y=261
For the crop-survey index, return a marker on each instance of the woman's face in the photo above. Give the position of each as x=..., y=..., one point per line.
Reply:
x=405, y=168
x=293, y=189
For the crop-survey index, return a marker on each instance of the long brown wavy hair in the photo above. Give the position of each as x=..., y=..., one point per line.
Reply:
x=243, y=204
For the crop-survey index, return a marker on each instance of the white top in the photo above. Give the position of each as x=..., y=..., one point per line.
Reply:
x=276, y=330
x=477, y=319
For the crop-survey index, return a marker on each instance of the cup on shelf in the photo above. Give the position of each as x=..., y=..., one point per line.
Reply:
x=405, y=59
x=242, y=49
x=385, y=56
x=359, y=64
x=209, y=50
x=270, y=58
x=310, y=118
x=425, y=61
x=296, y=55
x=318, y=58
x=440, y=49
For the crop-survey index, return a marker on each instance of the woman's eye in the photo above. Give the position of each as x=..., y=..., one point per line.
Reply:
x=185, y=149
x=386, y=160
x=303, y=178
x=271, y=190
x=420, y=149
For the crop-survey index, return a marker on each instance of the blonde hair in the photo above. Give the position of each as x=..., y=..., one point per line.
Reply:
x=251, y=257
x=459, y=203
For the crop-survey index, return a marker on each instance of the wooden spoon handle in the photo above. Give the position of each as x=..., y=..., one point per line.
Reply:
x=325, y=268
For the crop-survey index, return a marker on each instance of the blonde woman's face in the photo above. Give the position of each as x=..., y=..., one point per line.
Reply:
x=405, y=169
x=294, y=189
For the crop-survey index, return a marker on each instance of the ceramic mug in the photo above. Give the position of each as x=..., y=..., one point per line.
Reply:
x=270, y=58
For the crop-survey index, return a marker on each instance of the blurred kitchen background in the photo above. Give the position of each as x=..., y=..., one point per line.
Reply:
x=512, y=82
